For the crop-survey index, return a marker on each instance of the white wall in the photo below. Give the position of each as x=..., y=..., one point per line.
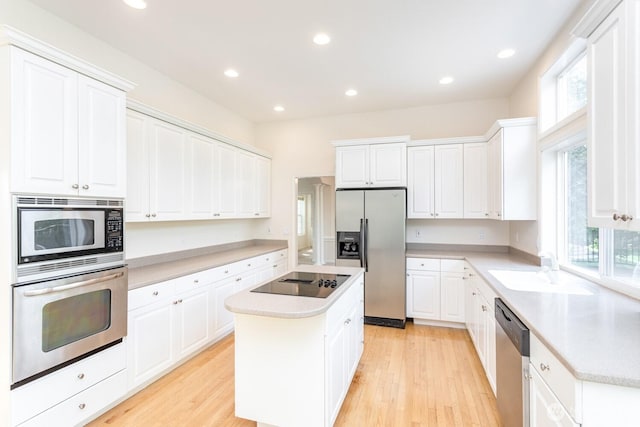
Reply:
x=523, y=102
x=302, y=148
x=458, y=231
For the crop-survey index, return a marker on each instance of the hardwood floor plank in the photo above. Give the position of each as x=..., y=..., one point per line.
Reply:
x=417, y=377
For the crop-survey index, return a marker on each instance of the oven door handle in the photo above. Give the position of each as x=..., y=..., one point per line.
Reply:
x=45, y=291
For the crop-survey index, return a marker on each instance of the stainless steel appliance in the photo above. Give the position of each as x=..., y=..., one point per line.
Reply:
x=58, y=236
x=371, y=228
x=512, y=367
x=57, y=321
x=316, y=285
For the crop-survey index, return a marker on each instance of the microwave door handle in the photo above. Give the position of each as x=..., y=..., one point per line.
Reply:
x=72, y=285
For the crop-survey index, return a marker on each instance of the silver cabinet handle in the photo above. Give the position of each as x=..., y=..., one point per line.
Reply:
x=82, y=406
x=72, y=285
x=75, y=186
x=238, y=279
x=484, y=308
x=153, y=215
x=148, y=215
x=85, y=187
x=486, y=214
x=544, y=367
x=80, y=376
x=226, y=271
x=248, y=265
x=155, y=293
x=626, y=217
x=179, y=301
x=346, y=322
x=616, y=217
x=275, y=265
x=256, y=214
x=196, y=281
x=175, y=302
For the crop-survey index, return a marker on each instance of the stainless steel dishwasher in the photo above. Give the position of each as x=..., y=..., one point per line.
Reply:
x=512, y=367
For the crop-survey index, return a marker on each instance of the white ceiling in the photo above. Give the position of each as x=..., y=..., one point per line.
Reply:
x=392, y=51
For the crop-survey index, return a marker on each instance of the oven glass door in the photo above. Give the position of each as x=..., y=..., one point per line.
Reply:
x=47, y=232
x=59, y=320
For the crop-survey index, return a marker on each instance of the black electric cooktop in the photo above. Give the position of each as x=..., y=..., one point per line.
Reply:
x=315, y=285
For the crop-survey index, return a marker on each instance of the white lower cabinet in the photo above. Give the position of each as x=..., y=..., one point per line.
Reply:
x=171, y=320
x=481, y=323
x=546, y=410
x=81, y=390
x=435, y=289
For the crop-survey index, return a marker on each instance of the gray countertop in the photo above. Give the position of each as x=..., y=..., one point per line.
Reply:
x=169, y=267
x=289, y=306
x=596, y=336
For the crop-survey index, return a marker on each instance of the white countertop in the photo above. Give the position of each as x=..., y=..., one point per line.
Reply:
x=290, y=306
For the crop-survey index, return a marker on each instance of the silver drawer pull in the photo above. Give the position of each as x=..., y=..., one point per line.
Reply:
x=346, y=322
x=238, y=279
x=80, y=376
x=544, y=367
x=155, y=293
x=82, y=406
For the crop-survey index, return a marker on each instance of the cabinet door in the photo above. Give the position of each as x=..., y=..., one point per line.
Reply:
x=606, y=51
x=352, y=166
x=470, y=305
x=420, y=186
x=102, y=139
x=388, y=165
x=545, y=408
x=167, y=178
x=225, y=174
x=481, y=342
x=337, y=371
x=423, y=296
x=190, y=321
x=490, y=359
x=200, y=175
x=44, y=124
x=494, y=175
x=137, y=204
x=263, y=187
x=149, y=342
x=452, y=297
x=475, y=180
x=223, y=317
x=245, y=184
x=353, y=346
x=448, y=183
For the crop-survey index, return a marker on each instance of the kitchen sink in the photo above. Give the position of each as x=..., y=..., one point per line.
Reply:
x=555, y=282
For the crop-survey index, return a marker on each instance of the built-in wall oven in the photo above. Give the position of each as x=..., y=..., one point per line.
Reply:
x=70, y=287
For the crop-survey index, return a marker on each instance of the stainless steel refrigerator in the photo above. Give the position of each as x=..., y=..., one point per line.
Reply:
x=371, y=229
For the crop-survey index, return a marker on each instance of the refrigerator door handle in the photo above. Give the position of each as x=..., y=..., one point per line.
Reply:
x=366, y=244
x=361, y=242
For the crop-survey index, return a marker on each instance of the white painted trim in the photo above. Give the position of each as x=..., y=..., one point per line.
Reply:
x=568, y=127
x=441, y=141
x=13, y=37
x=505, y=123
x=594, y=16
x=138, y=106
x=439, y=323
x=369, y=141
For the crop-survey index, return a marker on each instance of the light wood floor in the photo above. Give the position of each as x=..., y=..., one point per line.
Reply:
x=419, y=376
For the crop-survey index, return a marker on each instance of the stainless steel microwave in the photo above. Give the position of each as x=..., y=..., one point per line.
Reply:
x=56, y=237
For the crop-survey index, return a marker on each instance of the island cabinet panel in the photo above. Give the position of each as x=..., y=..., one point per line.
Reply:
x=296, y=371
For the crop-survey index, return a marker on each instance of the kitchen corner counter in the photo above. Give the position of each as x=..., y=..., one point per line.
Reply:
x=288, y=306
x=150, y=270
x=596, y=336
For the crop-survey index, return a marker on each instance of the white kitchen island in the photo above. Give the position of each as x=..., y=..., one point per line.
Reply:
x=295, y=356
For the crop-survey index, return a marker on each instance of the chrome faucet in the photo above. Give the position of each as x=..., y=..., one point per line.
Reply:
x=548, y=259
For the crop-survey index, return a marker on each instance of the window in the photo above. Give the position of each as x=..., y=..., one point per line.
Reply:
x=302, y=216
x=571, y=88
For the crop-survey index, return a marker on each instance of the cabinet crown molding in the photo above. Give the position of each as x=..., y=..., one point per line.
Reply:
x=13, y=37
x=447, y=141
x=505, y=123
x=165, y=117
x=370, y=141
x=594, y=16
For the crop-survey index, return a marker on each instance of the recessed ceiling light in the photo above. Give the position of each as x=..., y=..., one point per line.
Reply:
x=321, y=39
x=136, y=4
x=351, y=92
x=506, y=53
x=446, y=80
x=231, y=73
x=278, y=108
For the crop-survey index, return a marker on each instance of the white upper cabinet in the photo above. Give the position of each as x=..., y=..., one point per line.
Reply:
x=435, y=181
x=68, y=134
x=420, y=186
x=613, y=108
x=177, y=174
x=376, y=162
x=448, y=181
x=511, y=170
x=475, y=180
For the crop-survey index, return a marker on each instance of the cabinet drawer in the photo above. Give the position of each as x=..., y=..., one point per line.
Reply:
x=83, y=405
x=151, y=294
x=561, y=382
x=195, y=281
x=36, y=397
x=339, y=311
x=426, y=264
x=452, y=265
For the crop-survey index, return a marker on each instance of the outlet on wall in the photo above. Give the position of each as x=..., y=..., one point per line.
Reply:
x=481, y=235
x=418, y=233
